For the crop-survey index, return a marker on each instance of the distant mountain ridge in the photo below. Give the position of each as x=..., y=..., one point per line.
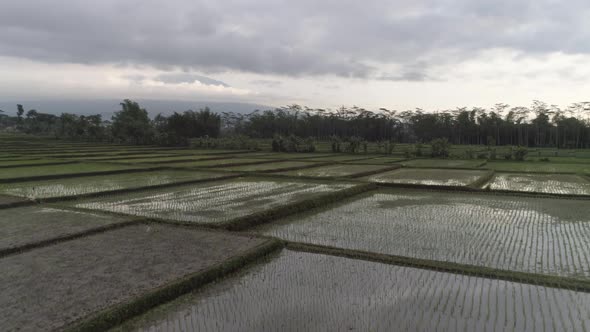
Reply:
x=107, y=107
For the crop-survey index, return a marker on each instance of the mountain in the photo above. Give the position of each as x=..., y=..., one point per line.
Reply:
x=106, y=107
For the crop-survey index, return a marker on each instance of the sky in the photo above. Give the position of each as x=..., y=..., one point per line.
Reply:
x=403, y=54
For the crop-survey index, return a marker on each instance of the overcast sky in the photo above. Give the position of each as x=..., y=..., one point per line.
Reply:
x=398, y=54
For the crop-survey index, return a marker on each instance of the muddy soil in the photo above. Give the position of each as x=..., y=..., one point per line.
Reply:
x=51, y=287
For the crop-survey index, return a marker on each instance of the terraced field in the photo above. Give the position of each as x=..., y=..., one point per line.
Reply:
x=212, y=202
x=177, y=239
x=430, y=177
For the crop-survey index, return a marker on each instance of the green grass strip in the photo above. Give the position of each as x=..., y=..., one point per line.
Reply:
x=449, y=267
x=114, y=316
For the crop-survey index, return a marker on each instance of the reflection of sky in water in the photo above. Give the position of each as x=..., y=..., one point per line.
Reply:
x=553, y=183
x=523, y=234
x=298, y=291
x=234, y=199
x=437, y=177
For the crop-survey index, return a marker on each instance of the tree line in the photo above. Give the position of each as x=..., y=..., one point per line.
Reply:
x=539, y=125
x=131, y=125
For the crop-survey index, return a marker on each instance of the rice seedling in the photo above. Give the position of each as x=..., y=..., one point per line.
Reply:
x=339, y=170
x=211, y=202
x=442, y=163
x=274, y=166
x=298, y=291
x=539, y=167
x=533, y=235
x=430, y=177
x=102, y=183
x=565, y=184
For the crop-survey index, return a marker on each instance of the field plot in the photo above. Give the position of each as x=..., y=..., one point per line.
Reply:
x=565, y=184
x=538, y=167
x=124, y=157
x=29, y=162
x=274, y=166
x=443, y=163
x=309, y=292
x=335, y=170
x=537, y=235
x=26, y=225
x=102, y=183
x=214, y=202
x=281, y=155
x=51, y=170
x=378, y=160
x=344, y=157
x=51, y=287
x=431, y=177
x=166, y=159
x=219, y=162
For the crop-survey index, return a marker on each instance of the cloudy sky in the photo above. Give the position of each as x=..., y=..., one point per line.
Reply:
x=322, y=53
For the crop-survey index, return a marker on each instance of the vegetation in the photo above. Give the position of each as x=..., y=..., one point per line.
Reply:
x=348, y=129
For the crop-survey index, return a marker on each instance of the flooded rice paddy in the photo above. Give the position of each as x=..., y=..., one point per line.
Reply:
x=298, y=291
x=334, y=170
x=212, y=202
x=537, y=235
x=567, y=184
x=431, y=177
x=101, y=183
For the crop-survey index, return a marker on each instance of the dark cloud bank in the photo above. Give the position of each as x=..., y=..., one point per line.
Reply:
x=347, y=38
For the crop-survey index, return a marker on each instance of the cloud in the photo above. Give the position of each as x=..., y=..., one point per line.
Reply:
x=267, y=83
x=345, y=38
x=176, y=78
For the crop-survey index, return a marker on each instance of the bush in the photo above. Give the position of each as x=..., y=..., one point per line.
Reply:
x=440, y=148
x=520, y=153
x=336, y=144
x=418, y=149
x=292, y=144
x=493, y=154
